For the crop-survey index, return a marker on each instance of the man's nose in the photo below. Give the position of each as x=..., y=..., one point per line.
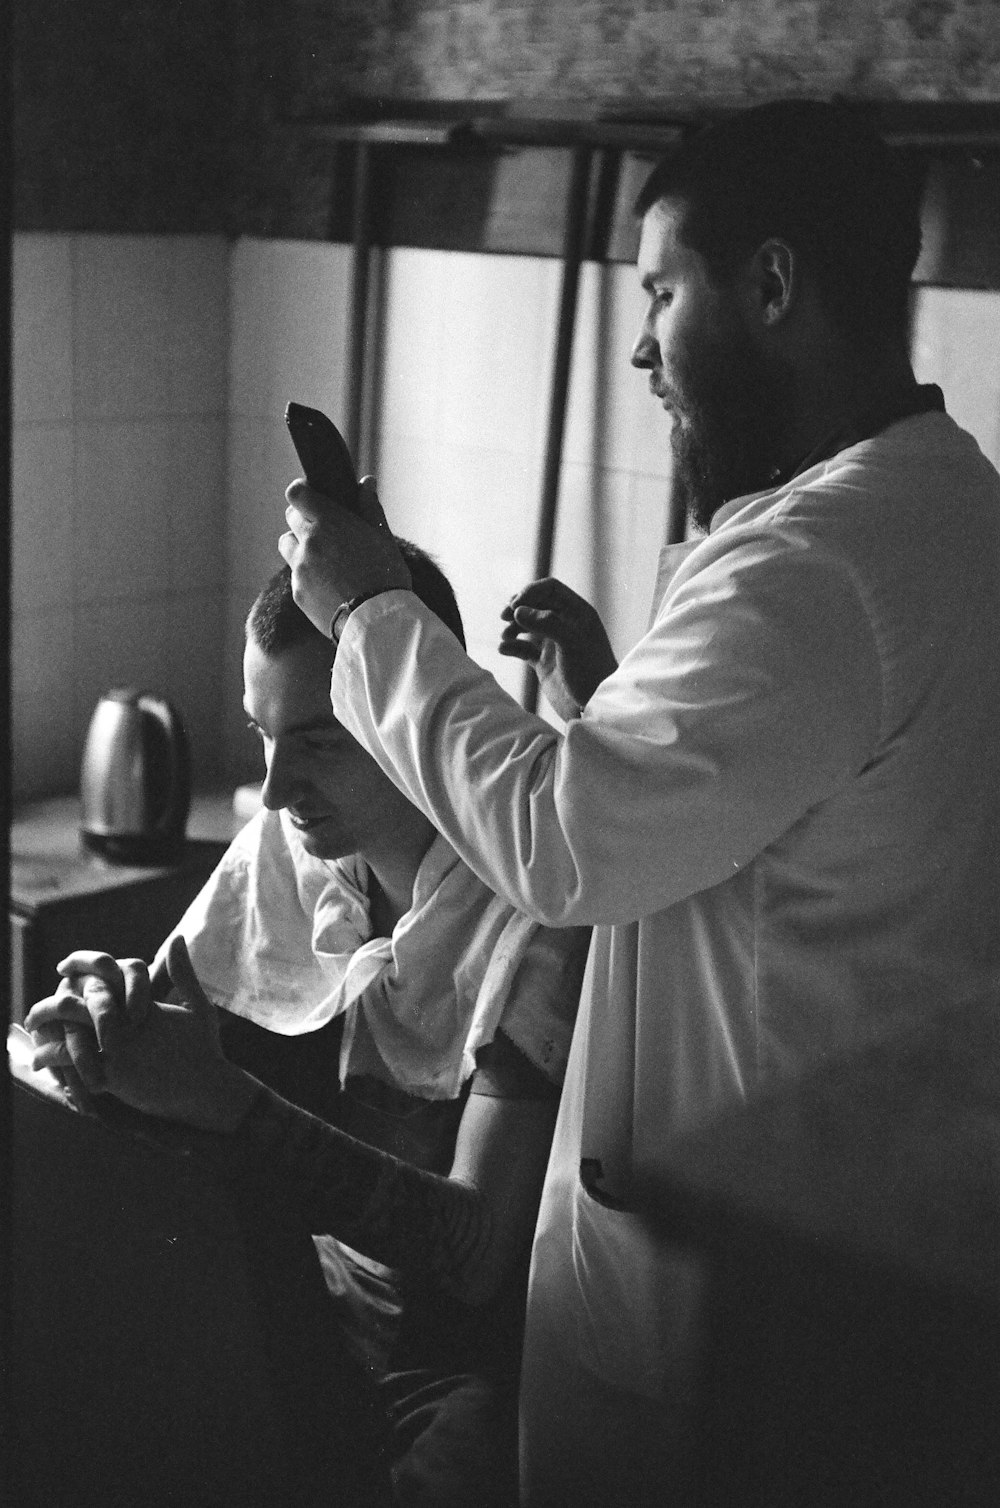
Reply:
x=278, y=788
x=645, y=353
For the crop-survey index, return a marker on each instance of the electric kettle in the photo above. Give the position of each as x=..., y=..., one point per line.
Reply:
x=135, y=780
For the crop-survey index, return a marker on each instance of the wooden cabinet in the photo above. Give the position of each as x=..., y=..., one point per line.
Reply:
x=63, y=896
x=137, y=1361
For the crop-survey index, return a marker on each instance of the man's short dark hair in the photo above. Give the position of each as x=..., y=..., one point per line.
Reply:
x=275, y=622
x=816, y=176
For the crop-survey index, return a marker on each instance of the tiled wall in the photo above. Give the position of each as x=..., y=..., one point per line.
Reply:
x=957, y=345
x=151, y=455
x=119, y=464
x=467, y=361
x=288, y=321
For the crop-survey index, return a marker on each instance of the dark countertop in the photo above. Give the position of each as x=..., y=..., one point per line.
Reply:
x=49, y=861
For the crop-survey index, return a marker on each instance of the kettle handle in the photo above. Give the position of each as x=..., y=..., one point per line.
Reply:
x=178, y=797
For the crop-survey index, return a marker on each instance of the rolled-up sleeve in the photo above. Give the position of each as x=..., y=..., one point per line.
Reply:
x=755, y=694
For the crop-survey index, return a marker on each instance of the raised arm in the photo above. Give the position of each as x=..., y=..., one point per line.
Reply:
x=713, y=737
x=755, y=694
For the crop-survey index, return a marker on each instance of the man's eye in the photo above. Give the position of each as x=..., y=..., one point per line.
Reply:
x=319, y=743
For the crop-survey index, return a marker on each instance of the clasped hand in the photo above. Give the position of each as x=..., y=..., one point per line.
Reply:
x=562, y=637
x=104, y=1033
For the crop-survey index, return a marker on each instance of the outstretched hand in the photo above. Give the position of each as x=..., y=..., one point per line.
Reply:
x=563, y=639
x=335, y=553
x=104, y=1026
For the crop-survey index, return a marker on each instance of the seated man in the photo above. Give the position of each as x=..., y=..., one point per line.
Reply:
x=340, y=900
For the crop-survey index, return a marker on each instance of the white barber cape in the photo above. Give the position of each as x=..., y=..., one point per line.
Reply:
x=782, y=812
x=285, y=939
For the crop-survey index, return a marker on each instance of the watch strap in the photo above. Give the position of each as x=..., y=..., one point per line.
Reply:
x=344, y=611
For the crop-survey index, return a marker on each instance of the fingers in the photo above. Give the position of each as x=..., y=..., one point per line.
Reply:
x=138, y=991
x=84, y=1073
x=115, y=993
x=85, y=961
x=299, y=524
x=301, y=520
x=98, y=1000
x=47, y=1019
x=77, y=966
x=541, y=620
x=184, y=979
x=308, y=504
x=547, y=591
x=159, y=978
x=49, y=1049
x=546, y=609
x=528, y=650
x=369, y=506
x=527, y=630
x=307, y=507
x=76, y=1092
x=65, y=1042
x=51, y=1052
x=519, y=644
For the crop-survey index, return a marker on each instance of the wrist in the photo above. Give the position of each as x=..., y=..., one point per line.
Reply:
x=232, y=1094
x=339, y=620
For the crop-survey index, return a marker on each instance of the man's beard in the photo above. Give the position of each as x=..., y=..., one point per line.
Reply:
x=724, y=432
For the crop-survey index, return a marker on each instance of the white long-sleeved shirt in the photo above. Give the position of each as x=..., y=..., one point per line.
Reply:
x=286, y=939
x=782, y=811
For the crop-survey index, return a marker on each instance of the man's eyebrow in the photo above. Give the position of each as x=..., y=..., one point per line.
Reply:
x=320, y=724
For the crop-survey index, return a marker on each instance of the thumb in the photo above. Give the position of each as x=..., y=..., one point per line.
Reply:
x=368, y=506
x=185, y=980
x=159, y=978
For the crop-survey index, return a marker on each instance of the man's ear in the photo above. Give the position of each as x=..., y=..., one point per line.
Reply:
x=773, y=281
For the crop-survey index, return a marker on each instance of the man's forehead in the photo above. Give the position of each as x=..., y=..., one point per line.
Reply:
x=292, y=687
x=661, y=241
x=304, y=663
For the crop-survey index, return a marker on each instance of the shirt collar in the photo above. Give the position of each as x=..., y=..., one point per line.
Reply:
x=922, y=399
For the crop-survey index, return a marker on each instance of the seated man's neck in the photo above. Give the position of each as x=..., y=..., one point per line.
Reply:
x=393, y=875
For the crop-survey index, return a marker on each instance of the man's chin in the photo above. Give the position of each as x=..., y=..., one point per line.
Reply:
x=702, y=500
x=322, y=839
x=705, y=489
